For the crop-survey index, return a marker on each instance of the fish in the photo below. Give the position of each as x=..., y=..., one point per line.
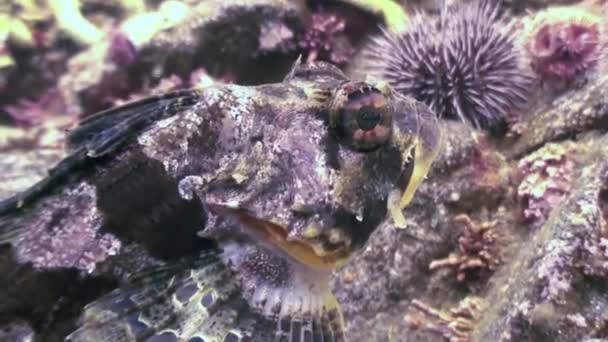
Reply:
x=216, y=213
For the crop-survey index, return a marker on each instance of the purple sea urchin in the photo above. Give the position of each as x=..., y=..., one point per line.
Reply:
x=464, y=65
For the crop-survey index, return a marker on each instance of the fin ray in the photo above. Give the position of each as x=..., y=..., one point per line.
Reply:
x=103, y=132
x=200, y=297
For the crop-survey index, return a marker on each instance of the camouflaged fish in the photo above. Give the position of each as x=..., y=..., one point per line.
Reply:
x=238, y=201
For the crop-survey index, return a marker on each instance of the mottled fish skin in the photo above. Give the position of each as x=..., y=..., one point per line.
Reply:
x=227, y=189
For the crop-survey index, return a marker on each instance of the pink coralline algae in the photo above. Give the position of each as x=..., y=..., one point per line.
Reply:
x=547, y=177
x=325, y=39
x=35, y=112
x=564, y=42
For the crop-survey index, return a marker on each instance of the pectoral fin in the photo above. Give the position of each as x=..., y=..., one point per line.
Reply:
x=205, y=299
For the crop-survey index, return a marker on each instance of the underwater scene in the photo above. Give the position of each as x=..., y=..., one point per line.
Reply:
x=304, y=170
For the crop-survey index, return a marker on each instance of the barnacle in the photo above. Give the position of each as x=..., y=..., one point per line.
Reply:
x=563, y=42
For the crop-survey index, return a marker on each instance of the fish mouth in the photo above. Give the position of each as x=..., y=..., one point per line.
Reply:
x=314, y=251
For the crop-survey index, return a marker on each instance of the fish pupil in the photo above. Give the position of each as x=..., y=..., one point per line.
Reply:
x=368, y=119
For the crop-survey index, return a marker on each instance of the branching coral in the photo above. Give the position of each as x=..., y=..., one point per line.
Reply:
x=478, y=249
x=454, y=325
x=547, y=177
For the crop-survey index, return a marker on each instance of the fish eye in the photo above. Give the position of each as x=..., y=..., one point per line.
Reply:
x=363, y=119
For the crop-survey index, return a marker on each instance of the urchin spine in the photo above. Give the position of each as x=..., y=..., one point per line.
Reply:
x=462, y=65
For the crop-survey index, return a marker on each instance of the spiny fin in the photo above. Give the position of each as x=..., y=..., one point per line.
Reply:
x=291, y=74
x=200, y=299
x=325, y=326
x=103, y=132
x=55, y=176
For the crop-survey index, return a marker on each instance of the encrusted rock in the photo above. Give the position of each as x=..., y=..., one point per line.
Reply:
x=546, y=178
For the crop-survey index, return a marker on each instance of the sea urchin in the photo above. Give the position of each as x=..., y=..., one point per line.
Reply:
x=463, y=65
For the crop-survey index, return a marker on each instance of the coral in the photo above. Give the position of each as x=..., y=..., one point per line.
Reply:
x=564, y=42
x=478, y=249
x=34, y=112
x=546, y=179
x=325, y=39
x=552, y=285
x=464, y=65
x=276, y=36
x=454, y=325
x=44, y=117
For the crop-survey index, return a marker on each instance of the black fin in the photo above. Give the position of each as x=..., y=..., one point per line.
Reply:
x=55, y=176
x=103, y=132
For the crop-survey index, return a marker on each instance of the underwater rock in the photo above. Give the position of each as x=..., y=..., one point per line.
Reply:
x=551, y=285
x=580, y=109
x=16, y=331
x=225, y=37
x=542, y=189
x=546, y=179
x=545, y=293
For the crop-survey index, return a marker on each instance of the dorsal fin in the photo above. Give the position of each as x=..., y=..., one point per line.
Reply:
x=98, y=135
x=103, y=132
